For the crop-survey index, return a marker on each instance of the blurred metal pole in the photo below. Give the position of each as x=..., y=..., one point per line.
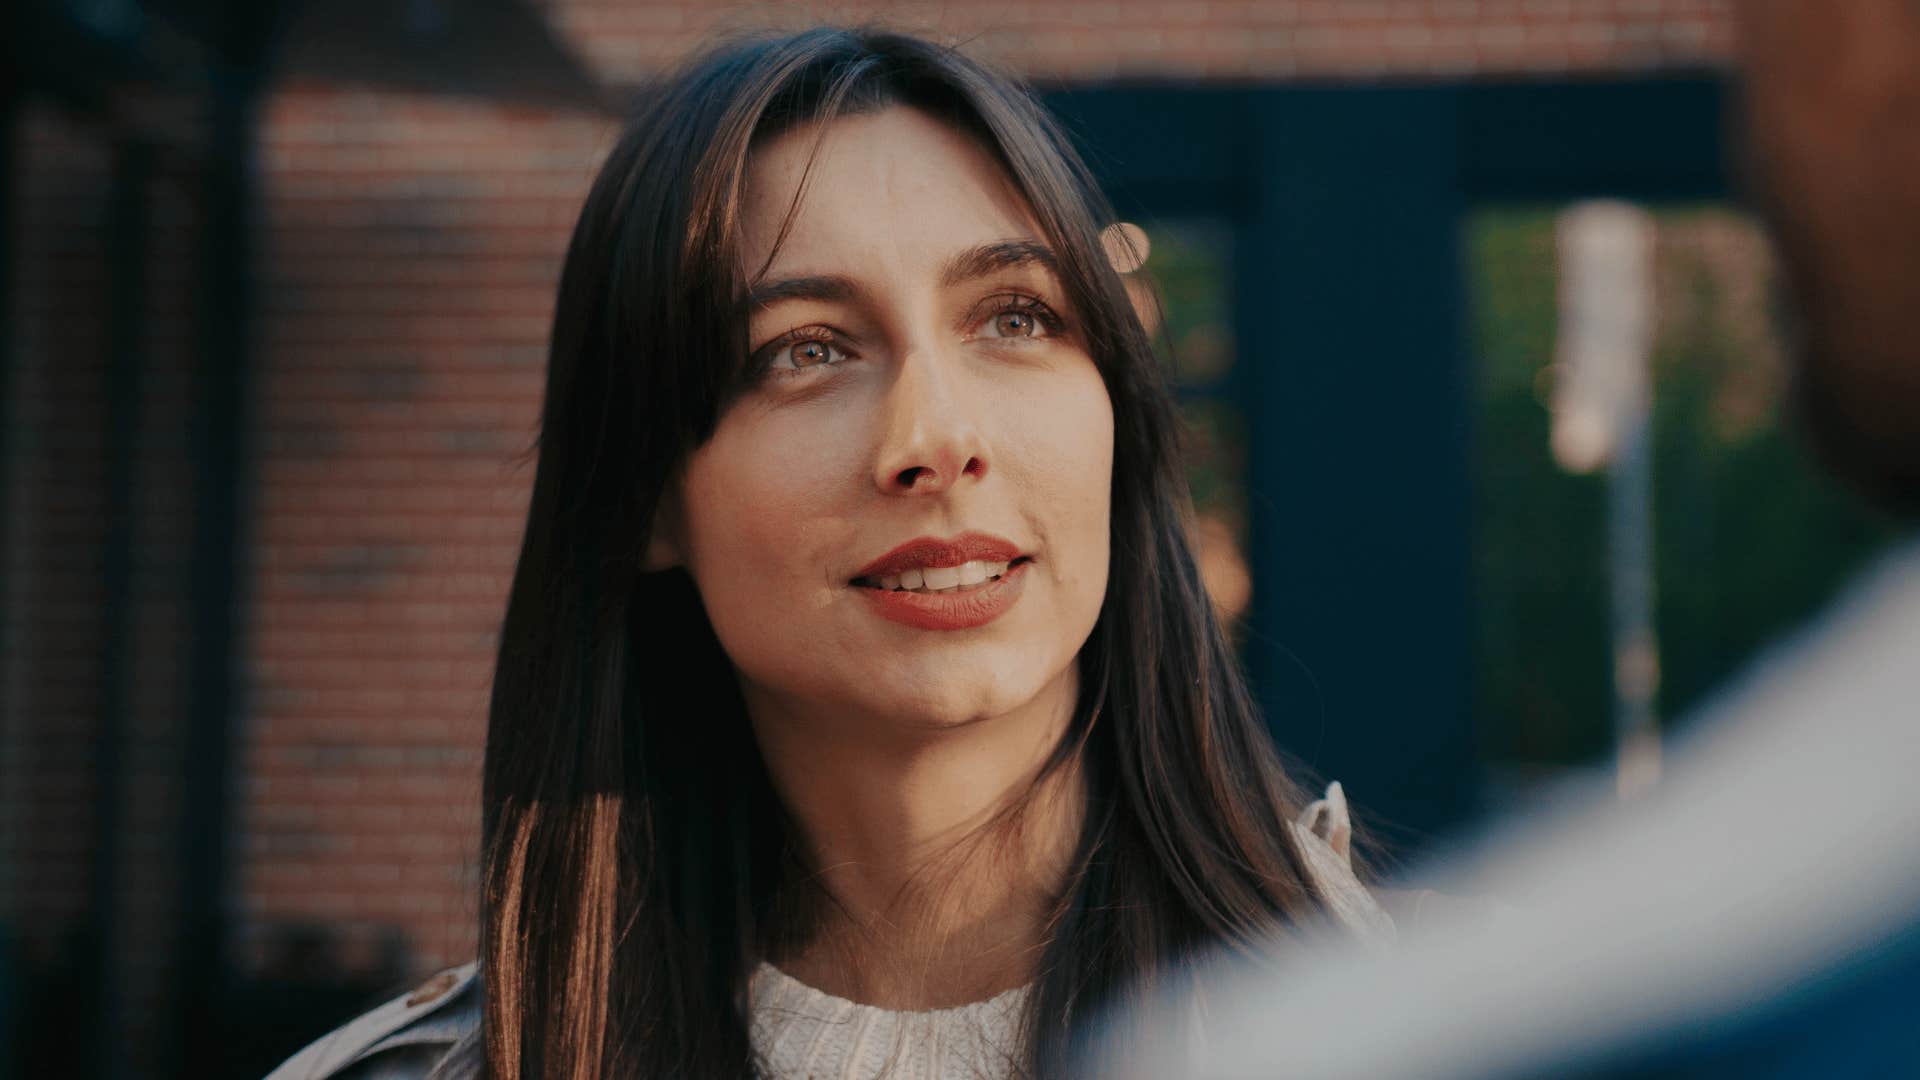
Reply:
x=129, y=240
x=11, y=981
x=215, y=643
x=1636, y=652
x=1602, y=403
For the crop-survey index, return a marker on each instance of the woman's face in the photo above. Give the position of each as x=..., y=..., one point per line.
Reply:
x=923, y=412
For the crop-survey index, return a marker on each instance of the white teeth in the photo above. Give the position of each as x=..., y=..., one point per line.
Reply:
x=943, y=579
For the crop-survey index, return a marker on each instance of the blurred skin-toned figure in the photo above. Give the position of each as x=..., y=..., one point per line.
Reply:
x=1758, y=914
x=1833, y=101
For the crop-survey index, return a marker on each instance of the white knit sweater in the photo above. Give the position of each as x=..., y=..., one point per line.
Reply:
x=801, y=1032
x=806, y=1034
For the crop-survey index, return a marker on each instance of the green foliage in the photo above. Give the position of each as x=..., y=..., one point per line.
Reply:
x=1750, y=539
x=1539, y=556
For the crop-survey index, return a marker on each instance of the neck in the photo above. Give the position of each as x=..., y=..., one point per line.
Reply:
x=940, y=853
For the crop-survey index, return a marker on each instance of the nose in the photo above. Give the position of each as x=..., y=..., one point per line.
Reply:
x=931, y=438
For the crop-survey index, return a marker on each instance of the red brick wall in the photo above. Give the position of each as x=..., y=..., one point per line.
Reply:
x=1210, y=39
x=410, y=252
x=411, y=248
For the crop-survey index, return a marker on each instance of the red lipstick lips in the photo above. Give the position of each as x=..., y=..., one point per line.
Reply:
x=958, y=610
x=923, y=551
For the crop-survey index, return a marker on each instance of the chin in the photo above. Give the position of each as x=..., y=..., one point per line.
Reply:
x=944, y=708
x=959, y=692
x=922, y=692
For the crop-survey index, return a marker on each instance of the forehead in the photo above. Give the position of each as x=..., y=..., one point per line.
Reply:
x=895, y=190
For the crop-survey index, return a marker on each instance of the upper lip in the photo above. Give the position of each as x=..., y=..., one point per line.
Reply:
x=924, y=551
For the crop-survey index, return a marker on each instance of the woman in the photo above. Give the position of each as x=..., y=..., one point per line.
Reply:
x=858, y=709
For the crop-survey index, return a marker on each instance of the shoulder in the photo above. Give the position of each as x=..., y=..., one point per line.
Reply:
x=400, y=1040
x=1324, y=833
x=1385, y=918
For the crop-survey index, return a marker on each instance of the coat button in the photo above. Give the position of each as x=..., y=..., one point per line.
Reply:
x=431, y=989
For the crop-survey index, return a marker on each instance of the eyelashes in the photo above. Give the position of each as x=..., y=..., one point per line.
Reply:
x=765, y=362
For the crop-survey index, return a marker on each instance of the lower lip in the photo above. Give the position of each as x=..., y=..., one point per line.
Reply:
x=960, y=610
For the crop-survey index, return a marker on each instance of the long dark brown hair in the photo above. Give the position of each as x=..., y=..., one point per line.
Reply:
x=634, y=852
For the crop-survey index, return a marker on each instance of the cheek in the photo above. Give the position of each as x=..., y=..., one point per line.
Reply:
x=1068, y=452
x=1062, y=449
x=771, y=504
x=760, y=500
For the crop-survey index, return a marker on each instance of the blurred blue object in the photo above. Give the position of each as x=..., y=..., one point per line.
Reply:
x=1756, y=914
x=1856, y=1020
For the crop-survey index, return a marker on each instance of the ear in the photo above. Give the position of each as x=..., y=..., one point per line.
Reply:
x=663, y=542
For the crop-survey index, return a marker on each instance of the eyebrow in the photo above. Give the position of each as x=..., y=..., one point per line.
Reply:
x=965, y=266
